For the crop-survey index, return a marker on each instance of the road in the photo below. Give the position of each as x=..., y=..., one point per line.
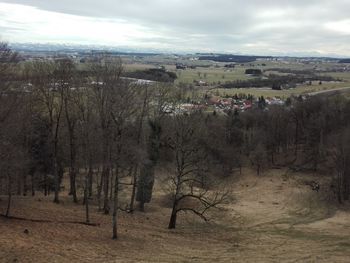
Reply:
x=330, y=92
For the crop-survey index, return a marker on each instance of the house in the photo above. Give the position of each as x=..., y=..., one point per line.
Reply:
x=214, y=101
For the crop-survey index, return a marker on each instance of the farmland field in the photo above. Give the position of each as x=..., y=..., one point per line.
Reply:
x=213, y=74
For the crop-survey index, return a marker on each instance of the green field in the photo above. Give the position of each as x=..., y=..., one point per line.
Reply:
x=210, y=75
x=256, y=92
x=214, y=74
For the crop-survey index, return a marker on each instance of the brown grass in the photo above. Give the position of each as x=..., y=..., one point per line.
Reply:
x=274, y=219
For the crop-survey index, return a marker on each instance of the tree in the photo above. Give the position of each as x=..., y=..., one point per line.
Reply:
x=40, y=159
x=276, y=125
x=83, y=104
x=340, y=156
x=141, y=114
x=49, y=87
x=13, y=156
x=145, y=183
x=121, y=114
x=189, y=158
x=67, y=74
x=146, y=179
x=258, y=157
x=114, y=97
x=105, y=77
x=12, y=119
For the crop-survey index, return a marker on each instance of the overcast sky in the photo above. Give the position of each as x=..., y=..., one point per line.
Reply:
x=266, y=27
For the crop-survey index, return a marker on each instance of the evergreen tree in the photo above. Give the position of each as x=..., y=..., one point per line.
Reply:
x=146, y=180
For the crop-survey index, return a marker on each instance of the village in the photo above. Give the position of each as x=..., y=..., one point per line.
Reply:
x=217, y=104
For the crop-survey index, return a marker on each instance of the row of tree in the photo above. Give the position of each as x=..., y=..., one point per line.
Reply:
x=275, y=81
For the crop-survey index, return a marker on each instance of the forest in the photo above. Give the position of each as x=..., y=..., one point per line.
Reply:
x=111, y=137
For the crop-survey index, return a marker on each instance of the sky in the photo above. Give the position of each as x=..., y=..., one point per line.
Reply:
x=269, y=27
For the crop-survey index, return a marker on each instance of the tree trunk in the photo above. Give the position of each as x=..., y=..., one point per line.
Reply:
x=105, y=175
x=46, y=190
x=115, y=205
x=72, y=170
x=339, y=188
x=99, y=190
x=25, y=186
x=56, y=177
x=142, y=206
x=33, y=184
x=90, y=175
x=57, y=184
x=172, y=222
x=133, y=193
x=55, y=161
x=345, y=187
x=8, y=204
x=9, y=197
x=19, y=185
x=106, y=171
x=296, y=142
x=111, y=191
x=86, y=198
x=73, y=189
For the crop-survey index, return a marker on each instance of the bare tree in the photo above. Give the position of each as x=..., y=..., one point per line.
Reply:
x=186, y=182
x=122, y=113
x=49, y=88
x=340, y=154
x=83, y=105
x=67, y=74
x=258, y=158
x=12, y=109
x=105, y=76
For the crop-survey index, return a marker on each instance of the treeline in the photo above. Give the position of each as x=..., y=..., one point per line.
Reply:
x=160, y=75
x=275, y=81
x=231, y=58
x=110, y=137
x=347, y=60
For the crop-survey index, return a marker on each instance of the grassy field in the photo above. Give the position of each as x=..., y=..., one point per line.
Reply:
x=270, y=218
x=211, y=75
x=215, y=73
x=268, y=92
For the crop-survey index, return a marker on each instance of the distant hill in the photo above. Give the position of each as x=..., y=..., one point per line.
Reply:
x=347, y=60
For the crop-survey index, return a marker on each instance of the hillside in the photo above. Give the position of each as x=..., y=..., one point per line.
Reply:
x=272, y=218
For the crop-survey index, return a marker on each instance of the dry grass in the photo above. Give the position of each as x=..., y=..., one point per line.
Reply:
x=274, y=219
x=268, y=92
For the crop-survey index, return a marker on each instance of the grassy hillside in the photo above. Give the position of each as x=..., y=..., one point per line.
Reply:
x=272, y=218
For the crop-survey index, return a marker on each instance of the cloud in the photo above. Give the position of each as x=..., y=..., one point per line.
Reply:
x=245, y=26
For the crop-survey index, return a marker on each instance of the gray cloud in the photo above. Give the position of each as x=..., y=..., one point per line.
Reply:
x=248, y=26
